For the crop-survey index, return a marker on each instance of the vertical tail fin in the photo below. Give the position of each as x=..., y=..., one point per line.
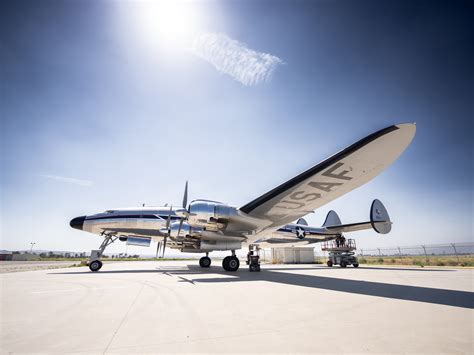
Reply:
x=302, y=221
x=379, y=218
x=332, y=219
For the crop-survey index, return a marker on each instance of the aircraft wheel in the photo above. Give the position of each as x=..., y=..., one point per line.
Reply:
x=355, y=265
x=230, y=263
x=205, y=261
x=95, y=265
x=329, y=263
x=254, y=268
x=343, y=263
x=225, y=263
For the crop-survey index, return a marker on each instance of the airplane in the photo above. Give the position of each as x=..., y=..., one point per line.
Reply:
x=204, y=226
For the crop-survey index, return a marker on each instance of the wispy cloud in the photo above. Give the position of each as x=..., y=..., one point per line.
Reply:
x=68, y=180
x=234, y=58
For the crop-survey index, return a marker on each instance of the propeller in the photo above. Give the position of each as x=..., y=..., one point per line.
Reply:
x=168, y=221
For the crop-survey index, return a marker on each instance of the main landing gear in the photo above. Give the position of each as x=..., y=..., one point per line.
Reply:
x=231, y=263
x=94, y=262
x=205, y=261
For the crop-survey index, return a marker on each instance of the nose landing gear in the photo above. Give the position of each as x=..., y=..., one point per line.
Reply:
x=95, y=265
x=94, y=262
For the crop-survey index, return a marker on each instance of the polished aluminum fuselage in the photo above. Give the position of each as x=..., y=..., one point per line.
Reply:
x=150, y=222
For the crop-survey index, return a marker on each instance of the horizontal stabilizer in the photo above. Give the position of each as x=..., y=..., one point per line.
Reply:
x=351, y=227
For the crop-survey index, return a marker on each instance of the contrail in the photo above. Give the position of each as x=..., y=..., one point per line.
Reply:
x=234, y=58
x=68, y=180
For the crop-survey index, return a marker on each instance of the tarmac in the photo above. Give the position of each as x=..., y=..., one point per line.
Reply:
x=175, y=306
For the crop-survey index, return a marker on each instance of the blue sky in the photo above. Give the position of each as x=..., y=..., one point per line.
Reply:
x=113, y=94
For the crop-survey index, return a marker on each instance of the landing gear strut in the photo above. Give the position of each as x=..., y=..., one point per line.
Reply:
x=94, y=262
x=231, y=263
x=205, y=261
x=253, y=258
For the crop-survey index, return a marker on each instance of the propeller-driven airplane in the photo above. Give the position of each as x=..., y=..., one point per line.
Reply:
x=204, y=226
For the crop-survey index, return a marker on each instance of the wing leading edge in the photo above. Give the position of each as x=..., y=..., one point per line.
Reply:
x=333, y=177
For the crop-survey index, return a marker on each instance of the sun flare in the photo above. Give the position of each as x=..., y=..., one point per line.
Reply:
x=169, y=23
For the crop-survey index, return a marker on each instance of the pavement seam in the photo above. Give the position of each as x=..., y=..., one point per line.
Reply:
x=123, y=319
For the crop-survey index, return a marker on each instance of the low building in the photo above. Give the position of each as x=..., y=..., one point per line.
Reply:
x=293, y=255
x=5, y=255
x=25, y=257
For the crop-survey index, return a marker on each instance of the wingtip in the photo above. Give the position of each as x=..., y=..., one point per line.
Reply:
x=408, y=127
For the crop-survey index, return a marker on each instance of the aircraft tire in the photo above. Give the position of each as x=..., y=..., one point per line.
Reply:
x=95, y=265
x=230, y=263
x=205, y=261
x=225, y=263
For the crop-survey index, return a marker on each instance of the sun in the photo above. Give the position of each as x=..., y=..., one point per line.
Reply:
x=168, y=23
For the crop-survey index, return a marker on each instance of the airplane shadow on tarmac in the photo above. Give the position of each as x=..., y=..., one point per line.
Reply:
x=453, y=298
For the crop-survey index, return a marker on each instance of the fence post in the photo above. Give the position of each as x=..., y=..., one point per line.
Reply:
x=400, y=253
x=455, y=251
x=362, y=252
x=380, y=254
x=424, y=249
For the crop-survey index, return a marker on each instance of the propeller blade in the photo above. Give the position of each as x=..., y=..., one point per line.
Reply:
x=164, y=246
x=168, y=227
x=185, y=197
x=180, y=225
x=168, y=221
x=158, y=245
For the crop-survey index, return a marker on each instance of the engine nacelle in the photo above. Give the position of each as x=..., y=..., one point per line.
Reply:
x=186, y=230
x=220, y=245
x=209, y=214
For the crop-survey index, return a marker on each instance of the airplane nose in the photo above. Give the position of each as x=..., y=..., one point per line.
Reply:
x=77, y=222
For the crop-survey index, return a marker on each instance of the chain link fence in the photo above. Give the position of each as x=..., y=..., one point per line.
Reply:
x=430, y=254
x=449, y=249
x=446, y=254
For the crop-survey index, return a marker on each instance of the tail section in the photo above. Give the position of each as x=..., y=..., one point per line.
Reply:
x=379, y=221
x=332, y=219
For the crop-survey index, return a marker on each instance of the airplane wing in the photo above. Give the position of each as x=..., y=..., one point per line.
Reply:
x=333, y=177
